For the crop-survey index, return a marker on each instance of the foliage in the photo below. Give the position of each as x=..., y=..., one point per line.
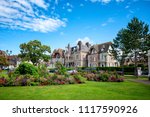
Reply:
x=3, y=59
x=104, y=76
x=23, y=80
x=79, y=79
x=34, y=51
x=90, y=76
x=43, y=71
x=132, y=42
x=115, y=79
x=26, y=68
x=61, y=69
x=127, y=70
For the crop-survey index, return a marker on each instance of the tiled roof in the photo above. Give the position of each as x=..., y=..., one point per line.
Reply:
x=101, y=48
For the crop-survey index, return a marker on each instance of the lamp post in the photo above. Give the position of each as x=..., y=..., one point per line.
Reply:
x=148, y=64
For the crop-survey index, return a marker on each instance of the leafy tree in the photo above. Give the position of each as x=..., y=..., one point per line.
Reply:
x=26, y=68
x=138, y=40
x=3, y=59
x=34, y=51
x=120, y=48
x=133, y=42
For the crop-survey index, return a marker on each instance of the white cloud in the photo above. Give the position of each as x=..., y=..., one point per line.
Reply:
x=69, y=5
x=21, y=14
x=39, y=3
x=105, y=1
x=69, y=10
x=108, y=21
x=56, y=1
x=127, y=7
x=84, y=40
x=119, y=0
x=81, y=5
x=104, y=24
x=102, y=1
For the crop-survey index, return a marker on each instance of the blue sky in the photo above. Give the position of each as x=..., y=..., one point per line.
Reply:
x=59, y=22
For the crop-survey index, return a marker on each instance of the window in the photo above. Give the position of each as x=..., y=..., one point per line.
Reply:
x=94, y=59
x=102, y=57
x=77, y=56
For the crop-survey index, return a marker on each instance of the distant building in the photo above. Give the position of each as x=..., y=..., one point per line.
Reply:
x=57, y=56
x=100, y=55
x=77, y=56
x=12, y=60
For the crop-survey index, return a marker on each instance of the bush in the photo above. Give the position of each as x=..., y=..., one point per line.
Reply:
x=61, y=69
x=4, y=79
x=70, y=80
x=114, y=79
x=23, y=80
x=26, y=68
x=104, y=77
x=3, y=82
x=90, y=76
x=34, y=83
x=43, y=71
x=79, y=79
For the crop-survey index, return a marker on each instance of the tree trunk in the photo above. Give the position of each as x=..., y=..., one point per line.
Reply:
x=135, y=65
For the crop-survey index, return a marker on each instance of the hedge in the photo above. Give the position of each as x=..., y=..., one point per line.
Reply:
x=127, y=69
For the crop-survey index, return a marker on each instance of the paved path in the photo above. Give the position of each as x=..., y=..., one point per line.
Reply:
x=140, y=81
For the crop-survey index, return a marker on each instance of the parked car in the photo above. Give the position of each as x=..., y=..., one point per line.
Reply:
x=145, y=72
x=72, y=71
x=53, y=70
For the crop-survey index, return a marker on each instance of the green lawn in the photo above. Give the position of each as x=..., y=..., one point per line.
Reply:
x=89, y=91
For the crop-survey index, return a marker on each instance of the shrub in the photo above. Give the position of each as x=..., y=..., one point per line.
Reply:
x=61, y=69
x=114, y=79
x=23, y=80
x=44, y=81
x=4, y=79
x=43, y=71
x=3, y=82
x=79, y=79
x=34, y=83
x=26, y=68
x=90, y=76
x=104, y=77
x=70, y=80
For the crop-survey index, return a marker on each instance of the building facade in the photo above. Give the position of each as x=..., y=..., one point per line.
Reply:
x=100, y=55
x=57, y=56
x=77, y=56
x=85, y=55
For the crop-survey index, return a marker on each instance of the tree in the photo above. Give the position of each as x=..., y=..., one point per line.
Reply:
x=134, y=41
x=34, y=51
x=138, y=33
x=3, y=59
x=120, y=49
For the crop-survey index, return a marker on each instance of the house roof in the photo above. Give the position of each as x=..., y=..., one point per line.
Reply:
x=58, y=51
x=101, y=48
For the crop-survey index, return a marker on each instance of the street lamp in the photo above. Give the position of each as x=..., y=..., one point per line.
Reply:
x=148, y=64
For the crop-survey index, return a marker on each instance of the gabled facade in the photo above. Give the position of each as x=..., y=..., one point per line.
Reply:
x=100, y=55
x=77, y=56
x=57, y=56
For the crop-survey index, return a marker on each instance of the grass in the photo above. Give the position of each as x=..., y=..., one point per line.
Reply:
x=89, y=91
x=134, y=77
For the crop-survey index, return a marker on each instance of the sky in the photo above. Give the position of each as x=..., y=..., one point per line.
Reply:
x=58, y=22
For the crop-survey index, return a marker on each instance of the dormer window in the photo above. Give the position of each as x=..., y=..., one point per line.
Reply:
x=57, y=56
x=93, y=51
x=103, y=47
